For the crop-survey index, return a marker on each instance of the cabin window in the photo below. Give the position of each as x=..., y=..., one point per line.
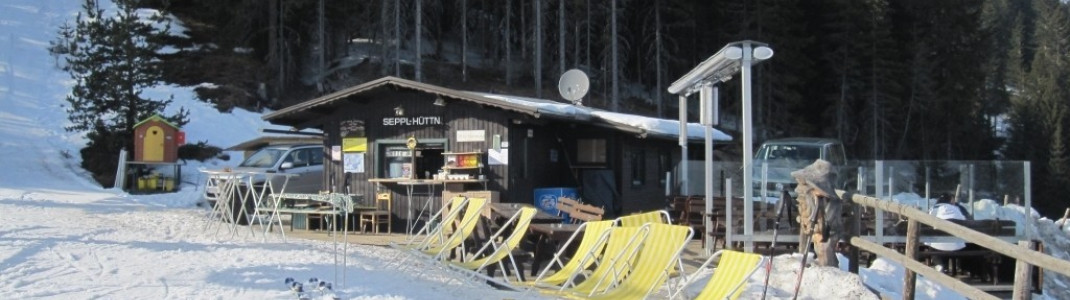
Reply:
x=638, y=166
x=591, y=151
x=525, y=170
x=664, y=165
x=396, y=162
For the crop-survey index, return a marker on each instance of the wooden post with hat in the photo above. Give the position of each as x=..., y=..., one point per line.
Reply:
x=820, y=210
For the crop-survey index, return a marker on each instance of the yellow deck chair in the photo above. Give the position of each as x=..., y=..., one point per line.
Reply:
x=656, y=217
x=653, y=217
x=595, y=234
x=434, y=238
x=563, y=274
x=494, y=252
x=651, y=269
x=441, y=224
x=464, y=229
x=622, y=247
x=444, y=223
x=730, y=276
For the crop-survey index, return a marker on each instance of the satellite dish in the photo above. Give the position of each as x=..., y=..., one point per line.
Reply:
x=573, y=86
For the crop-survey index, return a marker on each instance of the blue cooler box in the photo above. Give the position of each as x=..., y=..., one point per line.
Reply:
x=546, y=198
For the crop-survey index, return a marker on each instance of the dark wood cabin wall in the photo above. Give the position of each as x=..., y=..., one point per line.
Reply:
x=514, y=182
x=620, y=146
x=649, y=194
x=372, y=107
x=463, y=115
x=572, y=133
x=534, y=154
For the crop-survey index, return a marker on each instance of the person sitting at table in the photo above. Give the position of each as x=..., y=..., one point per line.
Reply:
x=946, y=210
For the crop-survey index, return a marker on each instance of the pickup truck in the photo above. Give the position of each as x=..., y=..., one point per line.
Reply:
x=782, y=156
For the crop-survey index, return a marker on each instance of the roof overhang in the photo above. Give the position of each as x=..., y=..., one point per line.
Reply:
x=263, y=141
x=307, y=114
x=300, y=115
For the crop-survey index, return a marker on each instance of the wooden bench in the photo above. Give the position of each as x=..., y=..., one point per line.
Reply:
x=989, y=227
x=312, y=206
x=691, y=210
x=989, y=260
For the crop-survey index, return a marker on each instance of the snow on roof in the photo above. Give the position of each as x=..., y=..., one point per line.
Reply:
x=657, y=126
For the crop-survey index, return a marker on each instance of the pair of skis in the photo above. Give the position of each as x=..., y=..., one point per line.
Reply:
x=298, y=288
x=784, y=207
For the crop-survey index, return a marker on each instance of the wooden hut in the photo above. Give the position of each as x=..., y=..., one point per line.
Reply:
x=156, y=140
x=156, y=144
x=520, y=145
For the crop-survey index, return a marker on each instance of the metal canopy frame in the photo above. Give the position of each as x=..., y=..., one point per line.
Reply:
x=721, y=66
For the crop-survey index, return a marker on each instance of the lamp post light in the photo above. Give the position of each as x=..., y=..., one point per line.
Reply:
x=721, y=66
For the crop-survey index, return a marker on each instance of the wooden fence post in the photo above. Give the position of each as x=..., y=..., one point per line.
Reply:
x=912, y=254
x=1022, y=272
x=856, y=230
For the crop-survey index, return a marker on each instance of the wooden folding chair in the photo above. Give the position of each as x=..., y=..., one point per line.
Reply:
x=379, y=216
x=585, y=212
x=679, y=208
x=565, y=206
x=695, y=215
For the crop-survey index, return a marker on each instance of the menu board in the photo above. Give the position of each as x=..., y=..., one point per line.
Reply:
x=462, y=160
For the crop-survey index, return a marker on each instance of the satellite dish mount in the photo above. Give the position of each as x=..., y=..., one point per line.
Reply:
x=573, y=86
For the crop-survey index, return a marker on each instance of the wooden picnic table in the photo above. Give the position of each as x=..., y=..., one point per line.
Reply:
x=507, y=210
x=548, y=239
x=327, y=205
x=503, y=211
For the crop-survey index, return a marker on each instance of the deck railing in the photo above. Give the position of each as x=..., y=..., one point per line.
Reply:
x=1023, y=253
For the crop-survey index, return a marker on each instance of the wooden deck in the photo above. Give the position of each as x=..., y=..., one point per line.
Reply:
x=693, y=255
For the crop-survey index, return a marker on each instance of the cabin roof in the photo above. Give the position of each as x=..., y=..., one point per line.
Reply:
x=302, y=115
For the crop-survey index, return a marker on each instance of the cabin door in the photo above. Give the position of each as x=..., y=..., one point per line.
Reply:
x=152, y=146
x=600, y=189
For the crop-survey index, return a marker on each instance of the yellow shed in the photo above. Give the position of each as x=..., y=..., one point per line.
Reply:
x=156, y=140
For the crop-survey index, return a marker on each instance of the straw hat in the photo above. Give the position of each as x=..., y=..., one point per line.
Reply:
x=817, y=175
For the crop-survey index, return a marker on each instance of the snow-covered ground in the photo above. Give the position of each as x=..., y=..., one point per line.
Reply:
x=62, y=236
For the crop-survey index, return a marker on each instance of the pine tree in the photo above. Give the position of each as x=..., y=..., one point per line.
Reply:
x=111, y=58
x=1050, y=70
x=1041, y=110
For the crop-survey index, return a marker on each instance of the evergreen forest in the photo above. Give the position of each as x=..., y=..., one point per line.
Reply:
x=893, y=79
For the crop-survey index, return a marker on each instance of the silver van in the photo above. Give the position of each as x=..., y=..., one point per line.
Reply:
x=782, y=156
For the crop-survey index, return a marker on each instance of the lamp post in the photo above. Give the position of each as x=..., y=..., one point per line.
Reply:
x=733, y=57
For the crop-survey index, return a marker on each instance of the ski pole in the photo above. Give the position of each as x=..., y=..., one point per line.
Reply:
x=806, y=249
x=781, y=207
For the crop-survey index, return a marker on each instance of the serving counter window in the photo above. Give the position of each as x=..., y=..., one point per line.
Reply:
x=397, y=161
